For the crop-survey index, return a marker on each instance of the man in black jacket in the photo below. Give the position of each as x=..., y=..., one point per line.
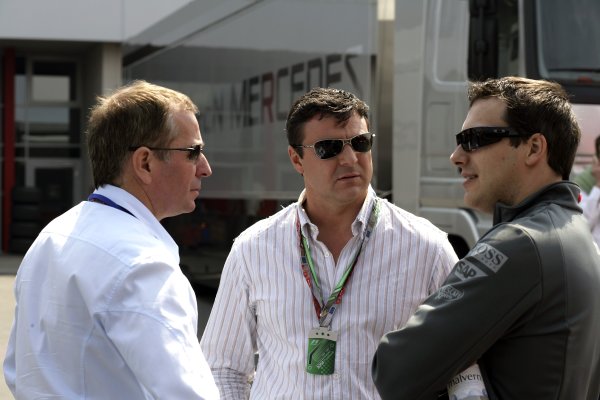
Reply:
x=525, y=301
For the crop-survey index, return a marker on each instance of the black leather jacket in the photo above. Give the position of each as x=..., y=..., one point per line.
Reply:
x=524, y=303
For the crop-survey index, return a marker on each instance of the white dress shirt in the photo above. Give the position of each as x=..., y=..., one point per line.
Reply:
x=590, y=203
x=264, y=304
x=103, y=311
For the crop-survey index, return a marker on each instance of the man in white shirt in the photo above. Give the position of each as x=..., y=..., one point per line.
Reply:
x=103, y=310
x=590, y=198
x=312, y=289
x=587, y=179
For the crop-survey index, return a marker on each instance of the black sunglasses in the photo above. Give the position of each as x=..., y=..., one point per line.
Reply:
x=193, y=152
x=474, y=138
x=329, y=148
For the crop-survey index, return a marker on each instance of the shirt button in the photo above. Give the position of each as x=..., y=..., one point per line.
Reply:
x=327, y=254
x=336, y=376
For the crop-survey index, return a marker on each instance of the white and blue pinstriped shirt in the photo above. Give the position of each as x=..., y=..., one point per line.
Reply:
x=264, y=304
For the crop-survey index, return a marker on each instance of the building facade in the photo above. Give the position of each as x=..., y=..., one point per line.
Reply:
x=56, y=57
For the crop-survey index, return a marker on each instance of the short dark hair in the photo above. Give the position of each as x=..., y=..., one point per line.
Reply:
x=534, y=106
x=322, y=102
x=137, y=114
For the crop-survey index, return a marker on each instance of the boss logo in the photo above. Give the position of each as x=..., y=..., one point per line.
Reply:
x=489, y=256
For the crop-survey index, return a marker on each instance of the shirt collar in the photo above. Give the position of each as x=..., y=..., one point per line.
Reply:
x=140, y=211
x=360, y=222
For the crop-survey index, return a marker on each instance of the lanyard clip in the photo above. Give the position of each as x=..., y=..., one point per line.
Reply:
x=326, y=317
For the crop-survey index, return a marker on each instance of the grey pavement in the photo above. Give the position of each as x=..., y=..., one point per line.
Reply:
x=8, y=268
x=9, y=263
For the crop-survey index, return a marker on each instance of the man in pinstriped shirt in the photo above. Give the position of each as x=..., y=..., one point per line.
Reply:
x=313, y=288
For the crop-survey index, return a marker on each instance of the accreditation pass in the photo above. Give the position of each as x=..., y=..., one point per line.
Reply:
x=320, y=359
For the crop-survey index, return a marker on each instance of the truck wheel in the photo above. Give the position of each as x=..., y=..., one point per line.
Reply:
x=22, y=212
x=19, y=245
x=25, y=229
x=460, y=246
x=26, y=195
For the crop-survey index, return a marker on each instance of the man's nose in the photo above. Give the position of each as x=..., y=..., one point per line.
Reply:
x=458, y=155
x=203, y=167
x=347, y=155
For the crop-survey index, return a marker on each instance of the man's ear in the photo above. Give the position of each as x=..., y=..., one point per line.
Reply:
x=296, y=160
x=142, y=162
x=537, y=149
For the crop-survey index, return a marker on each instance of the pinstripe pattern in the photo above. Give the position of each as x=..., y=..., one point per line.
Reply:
x=264, y=303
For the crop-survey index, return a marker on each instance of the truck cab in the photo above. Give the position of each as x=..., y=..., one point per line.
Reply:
x=458, y=41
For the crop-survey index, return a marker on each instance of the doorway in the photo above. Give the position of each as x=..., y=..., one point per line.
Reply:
x=58, y=182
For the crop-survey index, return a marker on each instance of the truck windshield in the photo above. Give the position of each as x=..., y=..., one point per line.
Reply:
x=568, y=32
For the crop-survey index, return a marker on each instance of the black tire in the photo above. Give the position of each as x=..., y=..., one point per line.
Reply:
x=26, y=230
x=25, y=213
x=19, y=245
x=459, y=245
x=26, y=195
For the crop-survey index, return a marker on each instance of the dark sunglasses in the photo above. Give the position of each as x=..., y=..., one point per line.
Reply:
x=193, y=152
x=474, y=138
x=329, y=148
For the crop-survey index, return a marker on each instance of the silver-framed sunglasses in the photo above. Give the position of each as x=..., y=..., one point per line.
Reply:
x=329, y=148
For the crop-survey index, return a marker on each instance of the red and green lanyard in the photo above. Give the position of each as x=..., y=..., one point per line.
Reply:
x=325, y=311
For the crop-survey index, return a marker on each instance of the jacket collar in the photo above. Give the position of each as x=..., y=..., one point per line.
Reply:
x=564, y=193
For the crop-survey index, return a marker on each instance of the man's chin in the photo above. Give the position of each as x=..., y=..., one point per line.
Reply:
x=188, y=209
x=479, y=206
x=471, y=202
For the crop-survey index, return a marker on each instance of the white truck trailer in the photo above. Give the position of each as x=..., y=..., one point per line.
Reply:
x=244, y=62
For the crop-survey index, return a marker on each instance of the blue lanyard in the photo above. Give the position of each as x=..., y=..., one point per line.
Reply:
x=98, y=198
